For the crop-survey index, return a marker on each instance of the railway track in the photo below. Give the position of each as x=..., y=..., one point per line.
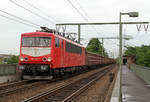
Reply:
x=69, y=91
x=17, y=86
x=13, y=84
x=20, y=86
x=10, y=88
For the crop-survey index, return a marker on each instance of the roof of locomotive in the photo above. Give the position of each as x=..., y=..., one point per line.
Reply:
x=36, y=33
x=52, y=34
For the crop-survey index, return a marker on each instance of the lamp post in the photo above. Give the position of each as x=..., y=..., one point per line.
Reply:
x=131, y=14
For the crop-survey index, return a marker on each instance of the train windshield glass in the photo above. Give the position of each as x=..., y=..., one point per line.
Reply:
x=36, y=41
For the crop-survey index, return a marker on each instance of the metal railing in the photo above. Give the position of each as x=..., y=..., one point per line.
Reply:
x=8, y=69
x=142, y=72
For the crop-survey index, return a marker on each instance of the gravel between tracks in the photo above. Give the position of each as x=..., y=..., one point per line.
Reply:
x=19, y=96
x=98, y=91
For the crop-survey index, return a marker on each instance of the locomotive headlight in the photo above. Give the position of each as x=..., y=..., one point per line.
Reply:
x=21, y=59
x=49, y=59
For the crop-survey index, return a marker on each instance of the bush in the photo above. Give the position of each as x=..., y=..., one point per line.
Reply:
x=13, y=60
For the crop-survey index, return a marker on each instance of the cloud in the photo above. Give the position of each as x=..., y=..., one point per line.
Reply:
x=62, y=11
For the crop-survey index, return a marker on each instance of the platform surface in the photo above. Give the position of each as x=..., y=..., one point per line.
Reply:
x=134, y=89
x=116, y=90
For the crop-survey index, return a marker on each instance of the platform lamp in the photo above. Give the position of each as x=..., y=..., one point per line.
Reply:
x=131, y=14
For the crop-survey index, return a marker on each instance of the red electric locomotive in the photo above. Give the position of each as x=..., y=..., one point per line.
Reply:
x=45, y=54
x=42, y=54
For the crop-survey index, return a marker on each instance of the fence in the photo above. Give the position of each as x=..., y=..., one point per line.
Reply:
x=7, y=69
x=142, y=72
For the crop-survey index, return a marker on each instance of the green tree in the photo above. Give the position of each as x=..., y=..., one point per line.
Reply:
x=142, y=54
x=131, y=51
x=13, y=60
x=95, y=46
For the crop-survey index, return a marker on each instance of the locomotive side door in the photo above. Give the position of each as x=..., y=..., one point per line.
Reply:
x=57, y=53
x=62, y=52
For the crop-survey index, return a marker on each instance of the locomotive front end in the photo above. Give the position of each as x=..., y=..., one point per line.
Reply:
x=35, y=56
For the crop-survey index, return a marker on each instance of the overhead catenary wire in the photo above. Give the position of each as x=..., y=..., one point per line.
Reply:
x=84, y=17
x=18, y=21
x=19, y=18
x=114, y=42
x=32, y=12
x=83, y=9
x=33, y=6
x=78, y=10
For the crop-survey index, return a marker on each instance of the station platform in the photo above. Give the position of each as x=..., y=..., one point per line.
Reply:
x=134, y=89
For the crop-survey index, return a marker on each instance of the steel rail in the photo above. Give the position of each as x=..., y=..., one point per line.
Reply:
x=12, y=84
x=22, y=85
x=68, y=91
x=85, y=87
x=18, y=88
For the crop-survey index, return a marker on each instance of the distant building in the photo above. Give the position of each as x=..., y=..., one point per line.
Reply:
x=4, y=58
x=129, y=59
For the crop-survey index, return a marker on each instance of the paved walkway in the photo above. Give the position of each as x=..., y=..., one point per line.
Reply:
x=134, y=89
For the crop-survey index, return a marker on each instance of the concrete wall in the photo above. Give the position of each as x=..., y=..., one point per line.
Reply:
x=7, y=69
x=8, y=78
x=142, y=72
x=9, y=72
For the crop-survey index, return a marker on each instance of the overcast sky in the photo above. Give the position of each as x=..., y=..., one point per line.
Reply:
x=60, y=11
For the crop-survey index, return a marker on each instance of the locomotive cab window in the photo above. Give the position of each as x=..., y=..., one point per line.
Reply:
x=56, y=42
x=36, y=41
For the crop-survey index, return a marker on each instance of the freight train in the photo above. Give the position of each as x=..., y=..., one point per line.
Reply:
x=46, y=53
